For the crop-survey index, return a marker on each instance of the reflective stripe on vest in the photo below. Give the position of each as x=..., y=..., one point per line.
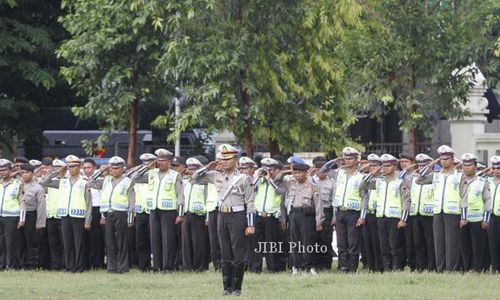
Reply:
x=447, y=193
x=422, y=199
x=115, y=197
x=194, y=196
x=266, y=198
x=390, y=202
x=212, y=197
x=9, y=206
x=475, y=204
x=71, y=199
x=164, y=193
x=347, y=191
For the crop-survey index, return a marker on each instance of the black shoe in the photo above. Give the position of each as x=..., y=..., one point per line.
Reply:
x=236, y=293
x=226, y=293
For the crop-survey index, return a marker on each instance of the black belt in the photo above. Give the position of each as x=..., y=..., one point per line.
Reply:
x=266, y=215
x=302, y=209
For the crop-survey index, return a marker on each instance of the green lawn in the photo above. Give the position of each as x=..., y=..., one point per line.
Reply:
x=149, y=286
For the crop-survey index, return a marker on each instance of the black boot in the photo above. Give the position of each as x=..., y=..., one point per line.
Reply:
x=227, y=278
x=238, y=271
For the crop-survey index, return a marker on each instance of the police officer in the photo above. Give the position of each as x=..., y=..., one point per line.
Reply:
x=95, y=241
x=236, y=216
x=117, y=209
x=326, y=187
x=9, y=217
x=213, y=212
x=194, y=231
x=165, y=202
x=406, y=164
x=306, y=216
x=494, y=224
x=350, y=204
x=269, y=206
x=370, y=228
x=142, y=232
x=178, y=164
x=446, y=218
x=247, y=166
x=393, y=205
x=33, y=216
x=54, y=231
x=421, y=210
x=75, y=209
x=476, y=209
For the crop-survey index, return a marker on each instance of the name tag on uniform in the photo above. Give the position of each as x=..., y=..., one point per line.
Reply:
x=167, y=203
x=198, y=206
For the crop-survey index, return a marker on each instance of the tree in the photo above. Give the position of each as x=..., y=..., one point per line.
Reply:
x=408, y=56
x=260, y=69
x=112, y=57
x=29, y=32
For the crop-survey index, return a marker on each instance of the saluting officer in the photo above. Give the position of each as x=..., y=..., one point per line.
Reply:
x=494, y=228
x=75, y=209
x=350, y=204
x=476, y=210
x=447, y=200
x=306, y=216
x=10, y=189
x=393, y=207
x=422, y=212
x=194, y=231
x=406, y=164
x=236, y=217
x=117, y=209
x=370, y=228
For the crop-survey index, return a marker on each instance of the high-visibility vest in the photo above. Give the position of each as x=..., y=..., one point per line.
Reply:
x=195, y=198
x=390, y=201
x=52, y=201
x=495, y=196
x=115, y=197
x=141, y=197
x=347, y=191
x=71, y=199
x=373, y=195
x=447, y=193
x=475, y=204
x=422, y=199
x=163, y=192
x=212, y=196
x=266, y=198
x=9, y=205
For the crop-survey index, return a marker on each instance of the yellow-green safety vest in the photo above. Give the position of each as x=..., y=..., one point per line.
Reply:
x=266, y=198
x=347, y=191
x=495, y=196
x=475, y=204
x=390, y=201
x=163, y=193
x=212, y=197
x=373, y=196
x=52, y=201
x=9, y=207
x=141, y=197
x=72, y=198
x=195, y=198
x=115, y=197
x=447, y=193
x=422, y=199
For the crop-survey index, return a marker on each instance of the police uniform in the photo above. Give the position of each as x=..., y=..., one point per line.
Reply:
x=409, y=244
x=74, y=207
x=33, y=214
x=212, y=217
x=350, y=205
x=142, y=216
x=494, y=228
x=54, y=231
x=9, y=218
x=476, y=209
x=269, y=207
x=194, y=231
x=421, y=213
x=117, y=209
x=236, y=213
x=393, y=205
x=370, y=228
x=446, y=213
x=326, y=188
x=305, y=215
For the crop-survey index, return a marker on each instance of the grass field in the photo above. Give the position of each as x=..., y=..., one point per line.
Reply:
x=149, y=286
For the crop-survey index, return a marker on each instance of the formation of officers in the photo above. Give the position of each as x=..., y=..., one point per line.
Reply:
x=173, y=214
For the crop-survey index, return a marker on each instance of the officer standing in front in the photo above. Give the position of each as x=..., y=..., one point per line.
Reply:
x=236, y=216
x=406, y=163
x=494, y=228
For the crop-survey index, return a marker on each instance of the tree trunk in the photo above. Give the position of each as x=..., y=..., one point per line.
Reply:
x=412, y=141
x=247, y=130
x=132, y=132
x=274, y=147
